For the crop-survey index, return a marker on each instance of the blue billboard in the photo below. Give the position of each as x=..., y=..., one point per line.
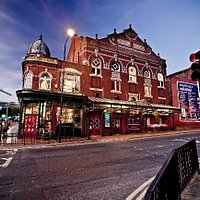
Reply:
x=188, y=100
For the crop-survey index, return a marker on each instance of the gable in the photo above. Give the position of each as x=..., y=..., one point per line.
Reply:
x=129, y=40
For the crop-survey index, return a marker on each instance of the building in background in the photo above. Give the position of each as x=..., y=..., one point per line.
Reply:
x=184, y=93
x=106, y=86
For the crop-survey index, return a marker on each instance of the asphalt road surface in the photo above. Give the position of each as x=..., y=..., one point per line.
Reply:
x=105, y=171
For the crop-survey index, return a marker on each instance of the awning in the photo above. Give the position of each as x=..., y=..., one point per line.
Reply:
x=136, y=104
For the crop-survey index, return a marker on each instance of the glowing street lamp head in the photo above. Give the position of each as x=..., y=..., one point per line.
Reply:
x=70, y=32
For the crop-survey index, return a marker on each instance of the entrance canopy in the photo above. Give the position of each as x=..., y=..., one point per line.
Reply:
x=95, y=103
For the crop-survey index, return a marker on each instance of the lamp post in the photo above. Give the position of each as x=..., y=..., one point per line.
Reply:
x=70, y=33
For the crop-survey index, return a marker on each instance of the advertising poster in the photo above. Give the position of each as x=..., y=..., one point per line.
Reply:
x=188, y=95
x=30, y=122
x=107, y=120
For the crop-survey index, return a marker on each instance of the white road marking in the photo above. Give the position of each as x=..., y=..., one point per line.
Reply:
x=9, y=159
x=180, y=140
x=140, y=189
x=142, y=194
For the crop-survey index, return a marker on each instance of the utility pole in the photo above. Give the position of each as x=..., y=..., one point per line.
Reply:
x=3, y=91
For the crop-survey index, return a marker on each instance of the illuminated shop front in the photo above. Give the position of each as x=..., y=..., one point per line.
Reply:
x=108, y=117
x=40, y=113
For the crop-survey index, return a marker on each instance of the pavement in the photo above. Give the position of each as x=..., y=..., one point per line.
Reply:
x=191, y=192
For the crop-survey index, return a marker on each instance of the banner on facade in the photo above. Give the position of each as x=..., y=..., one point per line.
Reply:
x=107, y=120
x=188, y=100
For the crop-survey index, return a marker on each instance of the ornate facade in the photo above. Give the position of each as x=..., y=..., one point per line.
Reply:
x=116, y=84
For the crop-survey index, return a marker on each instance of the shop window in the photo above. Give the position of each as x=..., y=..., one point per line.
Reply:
x=45, y=81
x=96, y=66
x=132, y=74
x=28, y=80
x=71, y=83
x=160, y=79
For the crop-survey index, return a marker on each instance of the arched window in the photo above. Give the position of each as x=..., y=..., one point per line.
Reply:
x=147, y=83
x=132, y=74
x=115, y=77
x=45, y=82
x=96, y=66
x=160, y=79
x=28, y=80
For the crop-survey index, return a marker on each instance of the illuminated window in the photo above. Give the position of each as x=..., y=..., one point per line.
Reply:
x=132, y=74
x=160, y=79
x=45, y=81
x=147, y=90
x=96, y=66
x=28, y=80
x=71, y=83
x=147, y=83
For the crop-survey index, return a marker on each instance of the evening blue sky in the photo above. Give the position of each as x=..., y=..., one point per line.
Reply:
x=171, y=28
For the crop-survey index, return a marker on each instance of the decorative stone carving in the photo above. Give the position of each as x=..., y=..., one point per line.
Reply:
x=86, y=62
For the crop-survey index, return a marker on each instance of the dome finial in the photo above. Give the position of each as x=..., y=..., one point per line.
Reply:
x=40, y=38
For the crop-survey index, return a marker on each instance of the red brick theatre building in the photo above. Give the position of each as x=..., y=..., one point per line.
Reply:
x=110, y=85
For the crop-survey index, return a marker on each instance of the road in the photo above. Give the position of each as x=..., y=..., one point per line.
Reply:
x=107, y=171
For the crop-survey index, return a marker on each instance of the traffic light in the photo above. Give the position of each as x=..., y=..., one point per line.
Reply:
x=3, y=116
x=195, y=67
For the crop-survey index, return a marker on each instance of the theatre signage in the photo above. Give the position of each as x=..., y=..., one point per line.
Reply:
x=188, y=100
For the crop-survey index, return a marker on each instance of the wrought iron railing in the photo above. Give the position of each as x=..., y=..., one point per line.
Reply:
x=175, y=174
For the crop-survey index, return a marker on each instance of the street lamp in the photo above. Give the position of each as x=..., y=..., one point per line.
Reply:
x=70, y=33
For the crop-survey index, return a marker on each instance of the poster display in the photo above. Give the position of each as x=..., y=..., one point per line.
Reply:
x=30, y=122
x=188, y=95
x=107, y=120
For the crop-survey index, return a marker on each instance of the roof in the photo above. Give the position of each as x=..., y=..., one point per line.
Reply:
x=39, y=47
x=179, y=72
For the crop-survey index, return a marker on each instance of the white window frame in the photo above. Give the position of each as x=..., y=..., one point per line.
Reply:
x=28, y=80
x=46, y=81
x=147, y=91
x=160, y=78
x=71, y=82
x=96, y=67
x=117, y=64
x=117, y=86
x=132, y=74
